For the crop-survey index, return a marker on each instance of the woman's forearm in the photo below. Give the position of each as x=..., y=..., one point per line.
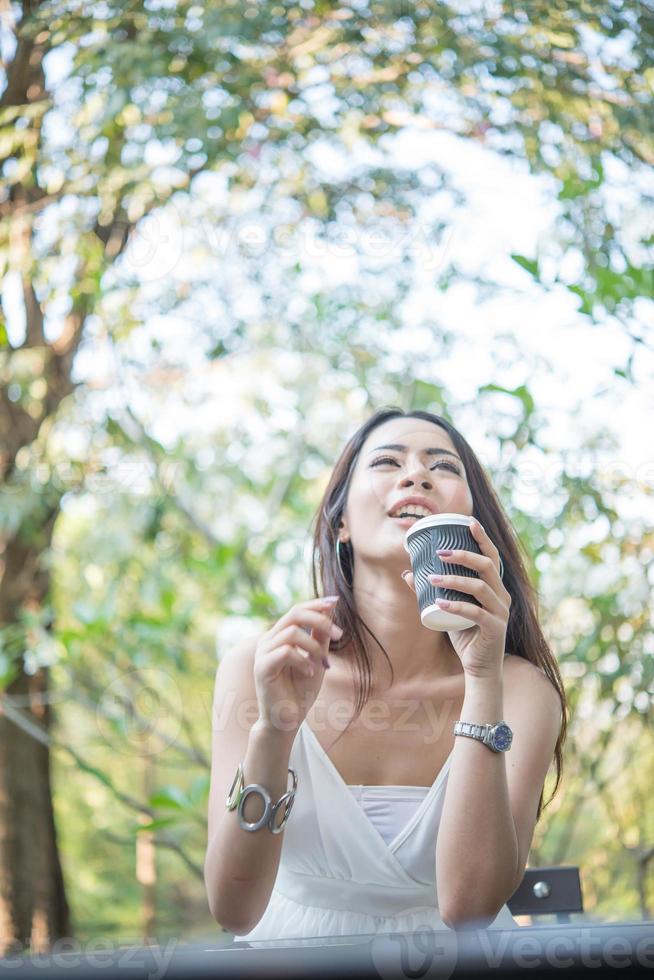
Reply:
x=477, y=848
x=241, y=866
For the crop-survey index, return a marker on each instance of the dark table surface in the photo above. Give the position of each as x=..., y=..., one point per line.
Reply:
x=593, y=949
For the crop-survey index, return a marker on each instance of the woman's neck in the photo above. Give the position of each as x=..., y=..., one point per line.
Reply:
x=414, y=651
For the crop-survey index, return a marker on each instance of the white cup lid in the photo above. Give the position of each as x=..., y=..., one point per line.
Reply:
x=435, y=520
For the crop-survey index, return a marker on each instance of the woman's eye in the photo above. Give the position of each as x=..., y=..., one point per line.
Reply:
x=441, y=464
x=383, y=459
x=452, y=467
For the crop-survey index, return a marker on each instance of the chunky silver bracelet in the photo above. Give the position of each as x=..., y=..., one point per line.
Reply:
x=239, y=793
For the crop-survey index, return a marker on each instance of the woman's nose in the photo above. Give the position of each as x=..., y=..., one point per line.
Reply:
x=416, y=478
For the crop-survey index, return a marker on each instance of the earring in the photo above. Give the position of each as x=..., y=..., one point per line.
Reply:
x=338, y=559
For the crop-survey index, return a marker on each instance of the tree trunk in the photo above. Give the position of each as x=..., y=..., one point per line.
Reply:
x=33, y=906
x=643, y=858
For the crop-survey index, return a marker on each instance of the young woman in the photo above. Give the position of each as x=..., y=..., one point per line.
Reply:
x=367, y=813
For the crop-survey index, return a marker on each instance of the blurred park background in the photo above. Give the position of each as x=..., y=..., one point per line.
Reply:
x=228, y=233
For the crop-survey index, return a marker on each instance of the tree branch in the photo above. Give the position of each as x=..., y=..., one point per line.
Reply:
x=34, y=334
x=160, y=842
x=31, y=728
x=193, y=754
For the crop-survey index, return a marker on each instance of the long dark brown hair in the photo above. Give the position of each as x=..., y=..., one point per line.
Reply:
x=524, y=635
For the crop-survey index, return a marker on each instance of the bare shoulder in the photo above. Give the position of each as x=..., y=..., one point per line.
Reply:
x=526, y=682
x=240, y=656
x=235, y=672
x=519, y=669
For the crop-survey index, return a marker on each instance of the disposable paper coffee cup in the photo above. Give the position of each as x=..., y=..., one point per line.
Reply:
x=439, y=531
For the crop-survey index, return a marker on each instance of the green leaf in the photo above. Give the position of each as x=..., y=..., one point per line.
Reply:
x=8, y=670
x=157, y=824
x=199, y=789
x=427, y=397
x=587, y=301
x=530, y=265
x=170, y=797
x=521, y=392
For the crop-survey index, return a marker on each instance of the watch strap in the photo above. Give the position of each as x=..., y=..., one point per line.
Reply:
x=472, y=731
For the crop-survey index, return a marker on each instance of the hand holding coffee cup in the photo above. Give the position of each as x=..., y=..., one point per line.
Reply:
x=423, y=541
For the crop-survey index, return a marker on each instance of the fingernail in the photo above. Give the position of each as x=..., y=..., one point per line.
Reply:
x=443, y=603
x=330, y=599
x=335, y=631
x=444, y=551
x=435, y=578
x=405, y=573
x=326, y=664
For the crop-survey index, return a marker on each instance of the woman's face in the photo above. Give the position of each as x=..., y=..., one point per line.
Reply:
x=428, y=466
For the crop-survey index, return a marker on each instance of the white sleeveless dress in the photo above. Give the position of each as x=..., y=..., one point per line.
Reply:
x=337, y=874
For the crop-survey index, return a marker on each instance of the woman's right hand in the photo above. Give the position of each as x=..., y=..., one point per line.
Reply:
x=289, y=665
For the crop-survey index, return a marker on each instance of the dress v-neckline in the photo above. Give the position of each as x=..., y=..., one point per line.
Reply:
x=404, y=832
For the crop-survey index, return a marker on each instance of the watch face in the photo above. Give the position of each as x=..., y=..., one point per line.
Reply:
x=502, y=738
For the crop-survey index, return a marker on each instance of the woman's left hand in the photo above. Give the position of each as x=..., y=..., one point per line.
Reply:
x=480, y=647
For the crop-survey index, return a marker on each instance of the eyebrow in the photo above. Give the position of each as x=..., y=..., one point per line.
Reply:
x=399, y=448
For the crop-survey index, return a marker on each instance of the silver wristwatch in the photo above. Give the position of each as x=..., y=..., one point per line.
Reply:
x=497, y=737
